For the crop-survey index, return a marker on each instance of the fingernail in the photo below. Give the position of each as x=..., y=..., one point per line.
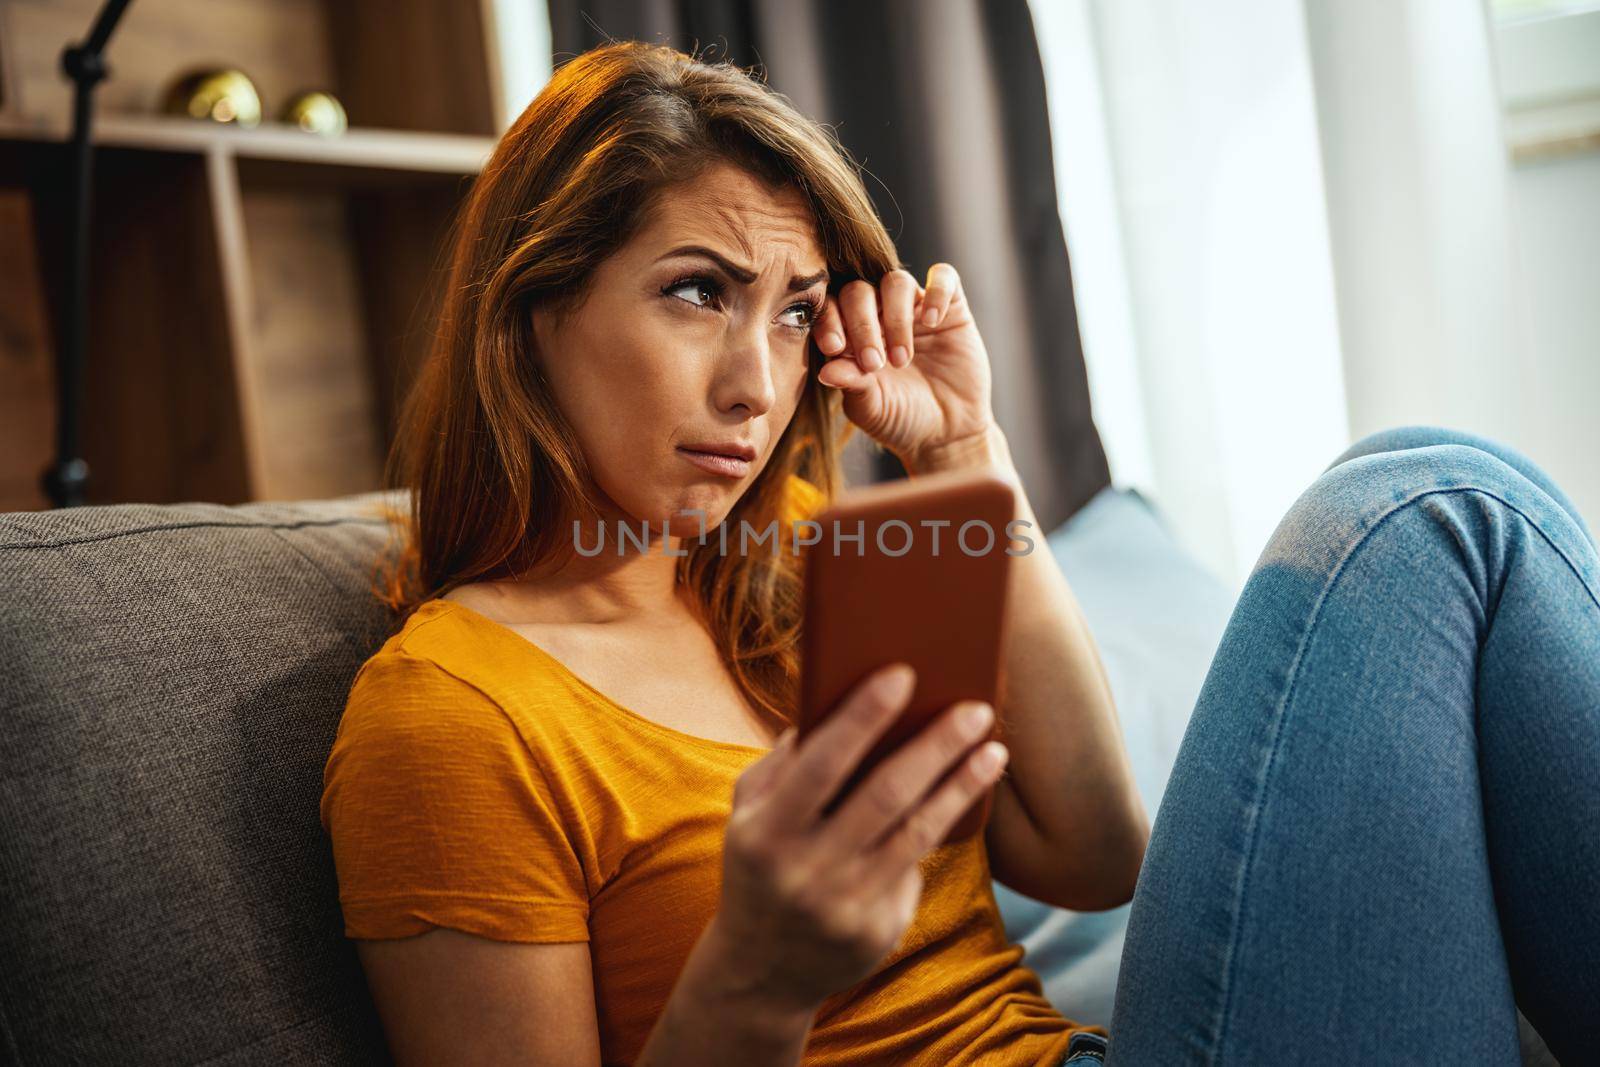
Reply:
x=930, y=317
x=975, y=717
x=829, y=341
x=991, y=756
x=871, y=358
x=899, y=356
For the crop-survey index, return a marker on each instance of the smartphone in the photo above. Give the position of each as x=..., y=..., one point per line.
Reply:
x=912, y=571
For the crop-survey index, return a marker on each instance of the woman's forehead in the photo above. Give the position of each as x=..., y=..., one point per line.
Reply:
x=741, y=213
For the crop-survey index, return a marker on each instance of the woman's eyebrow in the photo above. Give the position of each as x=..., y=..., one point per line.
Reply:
x=744, y=275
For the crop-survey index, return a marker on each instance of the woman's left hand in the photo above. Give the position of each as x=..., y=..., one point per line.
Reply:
x=914, y=372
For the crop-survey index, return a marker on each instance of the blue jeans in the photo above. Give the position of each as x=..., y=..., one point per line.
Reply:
x=1382, y=830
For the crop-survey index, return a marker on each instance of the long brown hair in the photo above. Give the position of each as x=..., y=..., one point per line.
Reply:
x=493, y=470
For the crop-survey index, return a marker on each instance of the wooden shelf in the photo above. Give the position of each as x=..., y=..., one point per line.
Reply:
x=259, y=297
x=401, y=150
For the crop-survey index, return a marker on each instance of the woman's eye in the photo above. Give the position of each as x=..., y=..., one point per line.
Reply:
x=704, y=293
x=806, y=312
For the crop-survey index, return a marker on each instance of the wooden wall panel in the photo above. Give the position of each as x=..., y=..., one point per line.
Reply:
x=27, y=364
x=307, y=349
x=281, y=44
x=160, y=418
x=442, y=82
x=402, y=241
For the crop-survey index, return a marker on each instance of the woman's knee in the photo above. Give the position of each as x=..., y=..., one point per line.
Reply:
x=1410, y=438
x=1351, y=499
x=1401, y=438
x=1412, y=500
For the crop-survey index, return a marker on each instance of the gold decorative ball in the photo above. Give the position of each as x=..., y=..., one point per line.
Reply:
x=215, y=95
x=317, y=112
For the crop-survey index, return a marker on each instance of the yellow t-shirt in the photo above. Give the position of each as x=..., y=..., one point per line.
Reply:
x=476, y=783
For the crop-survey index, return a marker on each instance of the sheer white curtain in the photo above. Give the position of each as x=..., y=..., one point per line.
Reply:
x=1419, y=200
x=1295, y=223
x=1466, y=276
x=1192, y=194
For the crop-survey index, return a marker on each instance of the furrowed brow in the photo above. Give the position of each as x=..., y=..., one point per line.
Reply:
x=744, y=275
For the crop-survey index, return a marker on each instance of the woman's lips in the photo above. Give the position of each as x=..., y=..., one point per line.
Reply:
x=729, y=466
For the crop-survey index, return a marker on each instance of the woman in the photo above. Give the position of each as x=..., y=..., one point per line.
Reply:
x=570, y=822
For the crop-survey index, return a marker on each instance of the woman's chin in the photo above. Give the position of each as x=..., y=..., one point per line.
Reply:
x=692, y=520
x=690, y=513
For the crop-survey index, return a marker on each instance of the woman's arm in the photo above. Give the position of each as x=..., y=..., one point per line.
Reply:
x=449, y=997
x=710, y=1019
x=1068, y=826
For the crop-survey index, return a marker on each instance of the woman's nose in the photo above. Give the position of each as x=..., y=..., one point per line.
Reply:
x=744, y=374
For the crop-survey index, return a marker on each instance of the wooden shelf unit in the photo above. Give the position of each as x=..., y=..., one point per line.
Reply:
x=259, y=298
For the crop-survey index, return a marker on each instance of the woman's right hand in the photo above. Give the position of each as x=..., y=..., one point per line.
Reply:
x=812, y=903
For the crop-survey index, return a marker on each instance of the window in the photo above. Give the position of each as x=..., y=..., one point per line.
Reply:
x=1548, y=55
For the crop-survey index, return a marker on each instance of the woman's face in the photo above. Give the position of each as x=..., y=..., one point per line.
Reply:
x=690, y=346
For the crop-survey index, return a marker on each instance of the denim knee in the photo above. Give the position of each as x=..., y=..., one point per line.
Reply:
x=1403, y=438
x=1400, y=438
x=1351, y=499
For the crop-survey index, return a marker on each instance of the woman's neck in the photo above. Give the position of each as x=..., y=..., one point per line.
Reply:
x=604, y=588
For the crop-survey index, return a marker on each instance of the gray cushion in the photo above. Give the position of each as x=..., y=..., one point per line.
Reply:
x=172, y=680
x=1157, y=617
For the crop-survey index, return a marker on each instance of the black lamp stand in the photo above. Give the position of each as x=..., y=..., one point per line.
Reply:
x=66, y=480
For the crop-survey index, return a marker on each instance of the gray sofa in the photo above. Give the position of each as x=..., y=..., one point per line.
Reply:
x=171, y=678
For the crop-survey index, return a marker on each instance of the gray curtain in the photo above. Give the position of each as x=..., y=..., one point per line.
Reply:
x=943, y=103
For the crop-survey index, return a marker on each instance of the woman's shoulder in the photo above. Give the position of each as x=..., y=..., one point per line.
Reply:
x=449, y=642
x=406, y=696
x=448, y=655
x=444, y=809
x=427, y=686
x=423, y=655
x=426, y=705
